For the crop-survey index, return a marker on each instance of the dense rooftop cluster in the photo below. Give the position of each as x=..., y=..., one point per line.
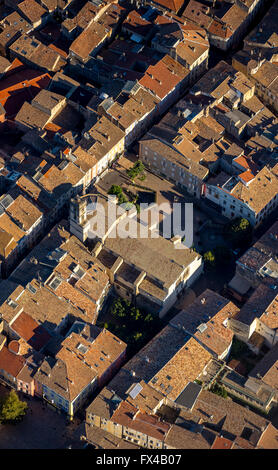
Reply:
x=87, y=88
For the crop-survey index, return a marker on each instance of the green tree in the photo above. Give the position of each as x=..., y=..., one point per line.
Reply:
x=136, y=170
x=139, y=166
x=135, y=313
x=122, y=199
x=219, y=390
x=118, y=191
x=12, y=408
x=238, y=349
x=137, y=336
x=118, y=308
x=240, y=225
x=126, y=302
x=197, y=381
x=148, y=318
x=239, y=232
x=209, y=257
x=115, y=189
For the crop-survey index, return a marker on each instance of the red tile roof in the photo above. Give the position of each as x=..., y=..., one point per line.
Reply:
x=221, y=443
x=237, y=366
x=16, y=64
x=246, y=176
x=174, y=5
x=159, y=79
x=60, y=51
x=10, y=362
x=136, y=24
x=129, y=416
x=19, y=85
x=218, y=28
x=27, y=328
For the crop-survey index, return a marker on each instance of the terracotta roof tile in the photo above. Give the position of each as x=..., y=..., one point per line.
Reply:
x=159, y=78
x=185, y=366
x=222, y=443
x=127, y=415
x=211, y=310
x=27, y=328
x=10, y=362
x=31, y=10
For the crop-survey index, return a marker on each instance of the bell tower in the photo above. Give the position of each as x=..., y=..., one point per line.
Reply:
x=78, y=216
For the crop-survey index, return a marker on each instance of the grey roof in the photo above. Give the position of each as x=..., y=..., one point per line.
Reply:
x=6, y=201
x=189, y=395
x=257, y=304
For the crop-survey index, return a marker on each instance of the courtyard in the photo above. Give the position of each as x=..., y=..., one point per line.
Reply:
x=165, y=191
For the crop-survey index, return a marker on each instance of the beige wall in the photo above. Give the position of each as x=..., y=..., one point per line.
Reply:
x=164, y=166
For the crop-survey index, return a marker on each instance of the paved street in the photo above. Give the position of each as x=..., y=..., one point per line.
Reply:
x=41, y=428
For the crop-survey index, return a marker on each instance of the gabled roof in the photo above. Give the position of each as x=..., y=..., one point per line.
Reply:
x=211, y=311
x=222, y=443
x=162, y=77
x=7, y=243
x=79, y=362
x=28, y=329
x=10, y=362
x=266, y=369
x=174, y=5
x=184, y=367
x=127, y=415
x=269, y=438
x=31, y=10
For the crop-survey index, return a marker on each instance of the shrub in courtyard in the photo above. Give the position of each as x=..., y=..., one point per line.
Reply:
x=209, y=258
x=136, y=170
x=219, y=390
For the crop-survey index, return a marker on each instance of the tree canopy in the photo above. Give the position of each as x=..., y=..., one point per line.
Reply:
x=239, y=232
x=240, y=225
x=219, y=390
x=12, y=409
x=136, y=170
x=133, y=325
x=209, y=257
x=118, y=191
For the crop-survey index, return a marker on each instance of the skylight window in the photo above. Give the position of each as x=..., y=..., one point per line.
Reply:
x=202, y=327
x=11, y=303
x=82, y=348
x=31, y=288
x=54, y=284
x=79, y=271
